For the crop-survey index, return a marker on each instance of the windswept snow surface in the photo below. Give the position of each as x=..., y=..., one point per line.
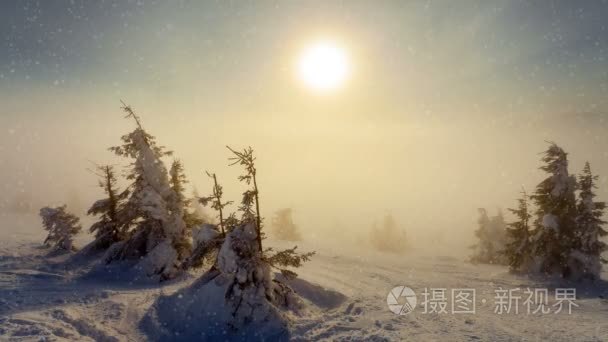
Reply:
x=345, y=291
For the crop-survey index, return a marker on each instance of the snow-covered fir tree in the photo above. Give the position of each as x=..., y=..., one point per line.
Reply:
x=482, y=251
x=251, y=287
x=554, y=226
x=389, y=237
x=252, y=293
x=498, y=233
x=250, y=204
x=518, y=249
x=586, y=257
x=109, y=229
x=153, y=209
x=178, y=182
x=492, y=237
x=237, y=299
x=211, y=238
x=62, y=227
x=283, y=227
x=250, y=210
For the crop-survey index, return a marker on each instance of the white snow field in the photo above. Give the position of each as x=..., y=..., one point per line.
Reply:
x=344, y=290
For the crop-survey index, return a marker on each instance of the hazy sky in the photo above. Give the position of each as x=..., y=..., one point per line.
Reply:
x=446, y=110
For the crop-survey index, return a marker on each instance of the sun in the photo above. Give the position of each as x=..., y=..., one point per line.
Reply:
x=323, y=66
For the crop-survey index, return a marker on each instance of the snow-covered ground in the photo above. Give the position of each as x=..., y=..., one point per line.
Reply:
x=345, y=289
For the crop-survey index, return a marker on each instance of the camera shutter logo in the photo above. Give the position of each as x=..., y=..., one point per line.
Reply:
x=401, y=300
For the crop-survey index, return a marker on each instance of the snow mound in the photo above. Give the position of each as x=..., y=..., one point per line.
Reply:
x=150, y=268
x=204, y=234
x=236, y=300
x=316, y=294
x=163, y=259
x=200, y=313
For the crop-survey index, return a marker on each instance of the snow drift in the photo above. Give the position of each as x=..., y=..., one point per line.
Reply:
x=237, y=299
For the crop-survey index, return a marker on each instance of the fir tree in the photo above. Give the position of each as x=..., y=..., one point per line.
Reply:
x=178, y=184
x=61, y=225
x=109, y=228
x=482, y=249
x=555, y=224
x=491, y=235
x=244, y=267
x=250, y=209
x=250, y=205
x=178, y=180
x=388, y=237
x=588, y=248
x=216, y=203
x=498, y=236
x=245, y=230
x=153, y=208
x=283, y=226
x=518, y=250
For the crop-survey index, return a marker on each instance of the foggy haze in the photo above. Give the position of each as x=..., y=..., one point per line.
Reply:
x=454, y=123
x=388, y=170
x=340, y=176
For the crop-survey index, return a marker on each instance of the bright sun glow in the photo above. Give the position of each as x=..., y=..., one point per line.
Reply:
x=323, y=66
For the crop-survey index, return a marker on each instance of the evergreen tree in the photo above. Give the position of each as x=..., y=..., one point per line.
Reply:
x=245, y=230
x=482, y=250
x=178, y=184
x=61, y=225
x=153, y=208
x=388, y=237
x=586, y=256
x=555, y=224
x=283, y=226
x=178, y=180
x=250, y=209
x=498, y=236
x=519, y=248
x=251, y=291
x=491, y=235
x=109, y=228
x=250, y=205
x=216, y=203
